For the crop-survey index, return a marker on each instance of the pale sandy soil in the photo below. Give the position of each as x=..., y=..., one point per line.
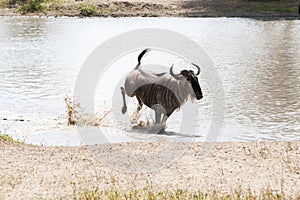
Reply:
x=28, y=172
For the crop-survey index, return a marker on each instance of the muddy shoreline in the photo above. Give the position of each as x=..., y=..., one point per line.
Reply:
x=158, y=8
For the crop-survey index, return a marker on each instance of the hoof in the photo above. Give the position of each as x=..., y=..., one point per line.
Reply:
x=158, y=129
x=162, y=131
x=124, y=110
x=122, y=91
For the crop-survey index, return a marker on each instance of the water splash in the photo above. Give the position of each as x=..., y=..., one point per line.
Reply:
x=76, y=115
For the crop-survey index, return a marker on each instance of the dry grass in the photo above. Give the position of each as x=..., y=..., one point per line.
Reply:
x=233, y=170
x=148, y=193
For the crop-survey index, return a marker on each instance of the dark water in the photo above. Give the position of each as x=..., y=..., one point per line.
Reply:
x=258, y=61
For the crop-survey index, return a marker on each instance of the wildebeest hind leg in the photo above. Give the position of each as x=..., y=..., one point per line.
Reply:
x=124, y=108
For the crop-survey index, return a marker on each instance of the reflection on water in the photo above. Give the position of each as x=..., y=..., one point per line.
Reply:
x=264, y=90
x=278, y=80
x=258, y=61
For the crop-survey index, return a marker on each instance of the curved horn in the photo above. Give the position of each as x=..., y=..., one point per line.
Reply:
x=172, y=74
x=197, y=68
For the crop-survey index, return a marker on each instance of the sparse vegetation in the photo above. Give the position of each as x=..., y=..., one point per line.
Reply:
x=32, y=6
x=261, y=1
x=8, y=138
x=24, y=6
x=274, y=8
x=53, y=5
x=146, y=193
x=78, y=174
x=88, y=10
x=189, y=8
x=13, y=3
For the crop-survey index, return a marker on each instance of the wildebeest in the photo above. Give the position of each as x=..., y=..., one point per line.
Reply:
x=164, y=92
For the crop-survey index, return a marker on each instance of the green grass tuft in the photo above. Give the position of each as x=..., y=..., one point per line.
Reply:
x=8, y=138
x=88, y=10
x=13, y=3
x=273, y=8
x=32, y=6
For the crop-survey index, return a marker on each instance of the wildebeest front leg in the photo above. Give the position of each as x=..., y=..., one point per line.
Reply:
x=157, y=117
x=140, y=105
x=124, y=108
x=164, y=121
x=159, y=110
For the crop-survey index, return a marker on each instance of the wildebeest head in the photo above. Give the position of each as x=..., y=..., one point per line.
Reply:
x=192, y=78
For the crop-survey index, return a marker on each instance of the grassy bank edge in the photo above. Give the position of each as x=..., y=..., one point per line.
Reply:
x=222, y=8
x=7, y=138
x=149, y=193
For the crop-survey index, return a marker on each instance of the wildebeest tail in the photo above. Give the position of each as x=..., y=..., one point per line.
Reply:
x=140, y=57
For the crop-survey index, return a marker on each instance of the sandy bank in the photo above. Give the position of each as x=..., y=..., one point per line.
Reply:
x=53, y=172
